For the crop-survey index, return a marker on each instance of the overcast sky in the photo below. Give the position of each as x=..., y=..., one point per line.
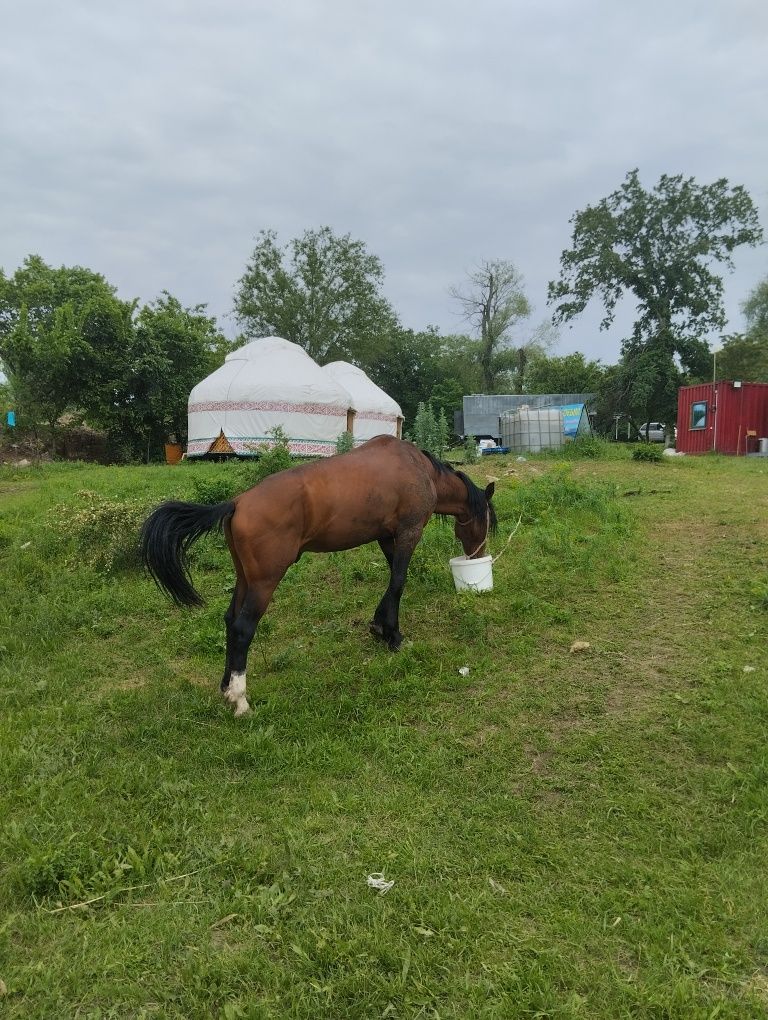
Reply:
x=151, y=141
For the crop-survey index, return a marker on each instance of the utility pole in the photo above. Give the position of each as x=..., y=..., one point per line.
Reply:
x=714, y=400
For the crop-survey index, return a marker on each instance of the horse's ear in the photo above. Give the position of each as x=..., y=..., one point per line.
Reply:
x=489, y=490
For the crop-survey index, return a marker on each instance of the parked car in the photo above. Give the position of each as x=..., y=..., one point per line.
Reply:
x=654, y=431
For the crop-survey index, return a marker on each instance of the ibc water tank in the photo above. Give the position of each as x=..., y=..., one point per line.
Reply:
x=532, y=429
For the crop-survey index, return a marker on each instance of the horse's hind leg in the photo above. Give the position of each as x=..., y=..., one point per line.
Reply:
x=260, y=567
x=233, y=610
x=255, y=602
x=240, y=635
x=229, y=619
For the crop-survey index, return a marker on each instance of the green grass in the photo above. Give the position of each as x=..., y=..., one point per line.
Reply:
x=571, y=835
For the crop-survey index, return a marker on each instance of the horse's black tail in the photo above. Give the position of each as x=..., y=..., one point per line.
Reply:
x=167, y=534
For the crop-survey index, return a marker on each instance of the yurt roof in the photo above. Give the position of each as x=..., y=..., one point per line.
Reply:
x=271, y=369
x=366, y=395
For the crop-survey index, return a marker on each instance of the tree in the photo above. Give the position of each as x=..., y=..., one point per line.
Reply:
x=610, y=406
x=43, y=346
x=658, y=246
x=571, y=373
x=320, y=291
x=493, y=302
x=457, y=373
x=37, y=367
x=459, y=363
x=42, y=290
x=648, y=379
x=743, y=356
x=140, y=396
x=68, y=343
x=755, y=310
x=424, y=367
x=514, y=364
x=445, y=398
x=408, y=367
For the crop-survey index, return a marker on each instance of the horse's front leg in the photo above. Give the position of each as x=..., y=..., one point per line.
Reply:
x=386, y=619
x=387, y=546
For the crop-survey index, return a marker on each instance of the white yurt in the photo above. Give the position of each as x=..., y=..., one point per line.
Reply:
x=266, y=383
x=376, y=413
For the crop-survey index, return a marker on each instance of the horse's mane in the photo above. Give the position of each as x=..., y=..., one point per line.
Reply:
x=478, y=504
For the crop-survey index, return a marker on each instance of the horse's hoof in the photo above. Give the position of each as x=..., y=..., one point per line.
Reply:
x=395, y=641
x=242, y=708
x=377, y=630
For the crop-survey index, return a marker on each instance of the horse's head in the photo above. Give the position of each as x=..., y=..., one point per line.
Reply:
x=473, y=527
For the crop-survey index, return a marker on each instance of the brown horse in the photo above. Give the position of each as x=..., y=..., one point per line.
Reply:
x=385, y=491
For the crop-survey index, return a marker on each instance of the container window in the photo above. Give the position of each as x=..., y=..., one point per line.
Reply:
x=699, y=415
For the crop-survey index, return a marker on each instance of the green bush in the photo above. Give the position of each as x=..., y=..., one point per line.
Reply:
x=649, y=453
x=219, y=487
x=345, y=442
x=220, y=482
x=586, y=448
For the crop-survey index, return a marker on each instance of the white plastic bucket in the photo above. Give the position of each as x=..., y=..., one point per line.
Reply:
x=472, y=575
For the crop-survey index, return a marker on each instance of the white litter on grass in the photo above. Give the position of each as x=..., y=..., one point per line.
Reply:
x=749, y=669
x=464, y=671
x=521, y=460
x=497, y=887
x=378, y=882
x=26, y=545
x=580, y=646
x=669, y=451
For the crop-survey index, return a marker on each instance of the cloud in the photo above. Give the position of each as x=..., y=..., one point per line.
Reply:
x=153, y=141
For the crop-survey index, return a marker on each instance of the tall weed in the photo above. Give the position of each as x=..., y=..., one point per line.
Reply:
x=103, y=532
x=273, y=456
x=77, y=871
x=345, y=442
x=471, y=455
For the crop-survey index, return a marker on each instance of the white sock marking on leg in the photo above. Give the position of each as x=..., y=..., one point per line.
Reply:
x=235, y=693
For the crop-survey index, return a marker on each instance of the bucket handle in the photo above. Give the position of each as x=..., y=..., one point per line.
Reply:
x=509, y=539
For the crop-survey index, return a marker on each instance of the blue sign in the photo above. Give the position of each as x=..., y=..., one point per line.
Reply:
x=10, y=419
x=571, y=419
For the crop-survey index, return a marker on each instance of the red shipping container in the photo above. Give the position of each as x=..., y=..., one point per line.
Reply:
x=722, y=417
